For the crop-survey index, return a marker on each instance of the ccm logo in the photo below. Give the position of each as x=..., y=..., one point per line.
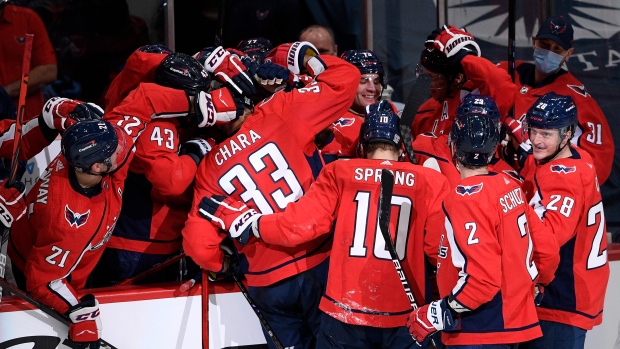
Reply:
x=216, y=57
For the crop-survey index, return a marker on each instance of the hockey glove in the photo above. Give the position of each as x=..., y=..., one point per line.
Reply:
x=196, y=148
x=430, y=318
x=230, y=265
x=60, y=113
x=291, y=55
x=229, y=70
x=12, y=203
x=456, y=43
x=219, y=107
x=230, y=215
x=270, y=73
x=381, y=106
x=514, y=129
x=85, y=327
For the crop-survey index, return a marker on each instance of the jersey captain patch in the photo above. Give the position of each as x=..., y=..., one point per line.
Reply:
x=579, y=89
x=563, y=169
x=468, y=189
x=77, y=219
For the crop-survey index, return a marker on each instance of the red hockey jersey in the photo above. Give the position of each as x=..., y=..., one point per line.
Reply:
x=483, y=78
x=363, y=287
x=346, y=136
x=139, y=67
x=593, y=133
x=568, y=199
x=269, y=162
x=66, y=228
x=157, y=187
x=491, y=269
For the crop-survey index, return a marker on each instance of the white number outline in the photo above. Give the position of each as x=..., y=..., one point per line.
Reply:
x=57, y=251
x=252, y=192
x=358, y=247
x=596, y=260
x=529, y=260
x=156, y=136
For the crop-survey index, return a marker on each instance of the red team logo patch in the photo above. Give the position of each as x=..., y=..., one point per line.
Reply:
x=563, y=169
x=468, y=189
x=77, y=219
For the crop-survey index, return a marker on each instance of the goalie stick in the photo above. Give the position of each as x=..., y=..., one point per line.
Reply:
x=17, y=136
x=385, y=208
x=49, y=311
x=257, y=311
x=418, y=95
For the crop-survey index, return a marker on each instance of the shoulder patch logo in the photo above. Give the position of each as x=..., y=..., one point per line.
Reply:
x=563, y=169
x=579, y=89
x=344, y=122
x=524, y=90
x=77, y=219
x=468, y=189
x=59, y=166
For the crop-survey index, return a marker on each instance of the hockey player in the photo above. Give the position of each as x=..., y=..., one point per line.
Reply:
x=158, y=186
x=568, y=199
x=37, y=134
x=486, y=284
x=434, y=151
x=364, y=304
x=452, y=59
x=340, y=140
x=53, y=257
x=552, y=48
x=268, y=161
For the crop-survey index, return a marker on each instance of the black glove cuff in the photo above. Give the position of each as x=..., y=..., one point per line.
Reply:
x=48, y=133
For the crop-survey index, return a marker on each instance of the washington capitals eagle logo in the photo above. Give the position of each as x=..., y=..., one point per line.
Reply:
x=579, y=89
x=563, y=169
x=343, y=122
x=556, y=28
x=77, y=219
x=468, y=189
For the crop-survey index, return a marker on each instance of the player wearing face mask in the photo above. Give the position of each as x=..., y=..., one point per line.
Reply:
x=552, y=48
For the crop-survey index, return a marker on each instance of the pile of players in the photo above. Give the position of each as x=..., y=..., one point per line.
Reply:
x=230, y=155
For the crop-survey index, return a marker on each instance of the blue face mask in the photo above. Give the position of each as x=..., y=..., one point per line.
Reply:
x=546, y=61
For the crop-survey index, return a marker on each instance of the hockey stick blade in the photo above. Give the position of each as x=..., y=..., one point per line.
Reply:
x=44, y=308
x=418, y=95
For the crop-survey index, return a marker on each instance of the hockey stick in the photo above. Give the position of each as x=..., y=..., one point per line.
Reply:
x=512, y=8
x=47, y=310
x=157, y=267
x=418, y=95
x=385, y=208
x=204, y=296
x=17, y=136
x=257, y=311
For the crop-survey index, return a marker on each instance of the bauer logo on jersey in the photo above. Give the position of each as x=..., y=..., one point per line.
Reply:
x=79, y=219
x=468, y=189
x=343, y=122
x=563, y=169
